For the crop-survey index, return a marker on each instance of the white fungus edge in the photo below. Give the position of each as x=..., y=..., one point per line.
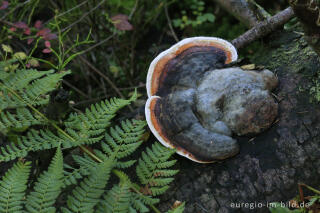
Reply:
x=160, y=138
x=174, y=48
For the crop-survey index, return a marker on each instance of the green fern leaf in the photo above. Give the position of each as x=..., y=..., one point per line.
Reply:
x=85, y=196
x=71, y=178
x=152, y=169
x=86, y=164
x=27, y=87
x=117, y=200
x=123, y=141
x=13, y=186
x=21, y=119
x=47, y=188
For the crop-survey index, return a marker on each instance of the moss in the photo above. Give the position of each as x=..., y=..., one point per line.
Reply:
x=292, y=55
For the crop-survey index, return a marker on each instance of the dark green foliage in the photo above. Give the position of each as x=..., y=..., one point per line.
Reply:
x=47, y=188
x=85, y=196
x=153, y=171
x=27, y=87
x=13, y=186
x=117, y=200
x=23, y=90
x=24, y=93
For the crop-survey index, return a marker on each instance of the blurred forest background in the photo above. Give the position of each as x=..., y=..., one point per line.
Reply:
x=123, y=37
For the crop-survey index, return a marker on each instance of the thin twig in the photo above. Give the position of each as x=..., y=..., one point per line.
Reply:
x=263, y=28
x=130, y=88
x=68, y=11
x=75, y=89
x=83, y=16
x=133, y=9
x=7, y=23
x=113, y=86
x=14, y=9
x=99, y=43
x=169, y=23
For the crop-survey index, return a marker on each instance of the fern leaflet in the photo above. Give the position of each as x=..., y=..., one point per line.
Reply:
x=13, y=186
x=47, y=188
x=152, y=169
x=85, y=196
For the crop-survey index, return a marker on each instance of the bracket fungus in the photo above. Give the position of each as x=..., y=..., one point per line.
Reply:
x=195, y=104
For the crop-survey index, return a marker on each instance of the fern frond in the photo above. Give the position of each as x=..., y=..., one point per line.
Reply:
x=43, y=139
x=47, y=188
x=86, y=165
x=152, y=169
x=72, y=177
x=117, y=200
x=124, y=140
x=33, y=141
x=21, y=119
x=178, y=209
x=13, y=186
x=85, y=196
x=98, y=117
x=137, y=204
x=27, y=87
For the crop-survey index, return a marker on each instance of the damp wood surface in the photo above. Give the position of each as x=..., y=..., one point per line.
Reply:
x=269, y=165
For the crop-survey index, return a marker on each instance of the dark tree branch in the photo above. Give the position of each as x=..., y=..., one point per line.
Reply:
x=263, y=28
x=241, y=10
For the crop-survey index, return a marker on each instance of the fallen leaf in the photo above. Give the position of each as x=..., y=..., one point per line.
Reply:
x=38, y=24
x=43, y=32
x=21, y=25
x=30, y=40
x=47, y=44
x=121, y=22
x=4, y=5
x=50, y=36
x=46, y=50
x=248, y=67
x=27, y=31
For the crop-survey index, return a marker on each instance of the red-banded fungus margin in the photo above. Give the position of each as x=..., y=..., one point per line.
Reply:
x=195, y=104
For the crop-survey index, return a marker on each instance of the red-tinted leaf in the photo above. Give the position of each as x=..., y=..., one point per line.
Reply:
x=121, y=22
x=47, y=50
x=124, y=25
x=4, y=5
x=43, y=32
x=30, y=40
x=21, y=25
x=13, y=29
x=121, y=17
x=47, y=44
x=38, y=24
x=27, y=31
x=49, y=36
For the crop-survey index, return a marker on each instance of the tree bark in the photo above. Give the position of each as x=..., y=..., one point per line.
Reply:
x=241, y=10
x=269, y=167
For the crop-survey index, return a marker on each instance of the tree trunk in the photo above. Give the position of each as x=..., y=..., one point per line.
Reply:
x=268, y=168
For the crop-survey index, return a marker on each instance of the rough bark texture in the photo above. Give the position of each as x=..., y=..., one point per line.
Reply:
x=269, y=167
x=263, y=28
x=241, y=10
x=308, y=13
